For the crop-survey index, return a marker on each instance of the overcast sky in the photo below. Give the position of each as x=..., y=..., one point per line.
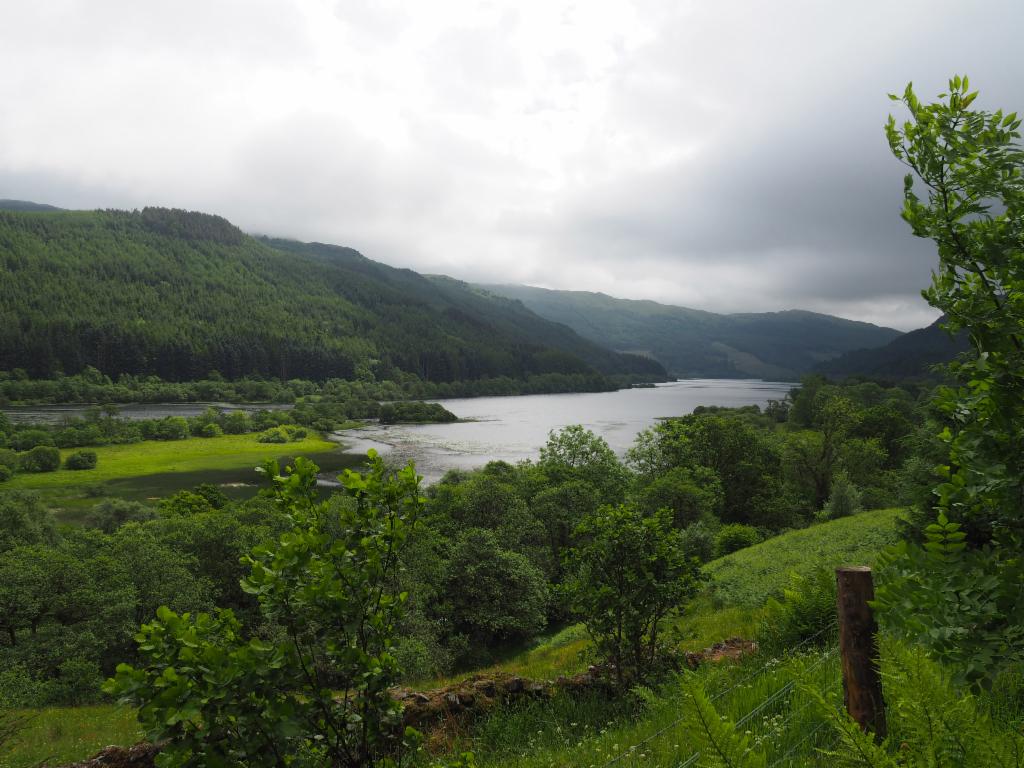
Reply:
x=720, y=155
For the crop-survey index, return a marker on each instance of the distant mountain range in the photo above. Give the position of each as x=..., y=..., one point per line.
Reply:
x=180, y=294
x=911, y=356
x=694, y=343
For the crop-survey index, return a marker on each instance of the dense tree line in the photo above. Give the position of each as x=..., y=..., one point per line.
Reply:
x=179, y=294
x=91, y=386
x=489, y=565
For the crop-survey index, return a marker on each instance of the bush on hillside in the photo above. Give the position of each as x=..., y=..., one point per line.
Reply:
x=630, y=574
x=209, y=430
x=42, y=458
x=698, y=540
x=286, y=433
x=734, y=537
x=169, y=428
x=844, y=500
x=6, y=473
x=111, y=514
x=25, y=439
x=185, y=504
x=9, y=459
x=81, y=460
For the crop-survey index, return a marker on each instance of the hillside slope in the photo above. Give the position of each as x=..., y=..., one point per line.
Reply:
x=694, y=343
x=911, y=356
x=25, y=205
x=180, y=294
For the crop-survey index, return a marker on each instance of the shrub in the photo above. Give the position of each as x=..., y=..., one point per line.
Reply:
x=111, y=514
x=9, y=459
x=217, y=498
x=42, y=458
x=844, y=500
x=169, y=428
x=734, y=537
x=284, y=433
x=18, y=688
x=329, y=585
x=6, y=473
x=78, y=682
x=495, y=594
x=81, y=460
x=30, y=438
x=210, y=430
x=236, y=423
x=698, y=540
x=185, y=504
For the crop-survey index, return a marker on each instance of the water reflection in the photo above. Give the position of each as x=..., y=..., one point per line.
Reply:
x=514, y=428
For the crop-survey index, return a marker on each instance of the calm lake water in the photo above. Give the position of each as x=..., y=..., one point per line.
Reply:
x=506, y=428
x=514, y=428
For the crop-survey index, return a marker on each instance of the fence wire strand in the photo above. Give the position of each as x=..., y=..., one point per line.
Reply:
x=762, y=706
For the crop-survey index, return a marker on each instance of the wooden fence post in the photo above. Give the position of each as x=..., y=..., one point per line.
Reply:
x=858, y=649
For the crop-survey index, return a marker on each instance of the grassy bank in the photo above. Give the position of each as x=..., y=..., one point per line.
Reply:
x=152, y=457
x=750, y=576
x=58, y=735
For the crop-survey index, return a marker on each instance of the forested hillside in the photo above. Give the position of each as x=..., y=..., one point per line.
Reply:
x=25, y=205
x=179, y=294
x=690, y=342
x=912, y=356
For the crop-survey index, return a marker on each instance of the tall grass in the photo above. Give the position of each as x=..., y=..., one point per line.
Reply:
x=750, y=576
x=57, y=735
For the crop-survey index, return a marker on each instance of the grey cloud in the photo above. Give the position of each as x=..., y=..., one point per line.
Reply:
x=728, y=155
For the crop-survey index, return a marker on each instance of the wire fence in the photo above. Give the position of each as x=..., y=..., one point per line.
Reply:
x=767, y=705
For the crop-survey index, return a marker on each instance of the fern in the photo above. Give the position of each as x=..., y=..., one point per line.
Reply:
x=937, y=723
x=721, y=744
x=856, y=749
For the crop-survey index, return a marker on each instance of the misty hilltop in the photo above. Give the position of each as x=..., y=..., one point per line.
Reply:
x=695, y=343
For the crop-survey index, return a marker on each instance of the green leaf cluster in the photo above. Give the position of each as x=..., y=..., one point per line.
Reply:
x=962, y=591
x=314, y=689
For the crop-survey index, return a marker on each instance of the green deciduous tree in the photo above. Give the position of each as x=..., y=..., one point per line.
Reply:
x=630, y=572
x=575, y=453
x=318, y=693
x=494, y=594
x=969, y=164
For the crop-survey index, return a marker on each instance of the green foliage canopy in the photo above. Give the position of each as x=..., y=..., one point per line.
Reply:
x=319, y=691
x=961, y=591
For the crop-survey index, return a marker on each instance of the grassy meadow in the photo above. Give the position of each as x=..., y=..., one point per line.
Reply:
x=153, y=457
x=156, y=468
x=58, y=735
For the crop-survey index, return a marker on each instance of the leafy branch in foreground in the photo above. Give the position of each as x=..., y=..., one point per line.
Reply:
x=963, y=591
x=317, y=693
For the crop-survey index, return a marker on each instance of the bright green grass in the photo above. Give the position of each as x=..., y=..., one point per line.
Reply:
x=750, y=576
x=59, y=735
x=152, y=457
